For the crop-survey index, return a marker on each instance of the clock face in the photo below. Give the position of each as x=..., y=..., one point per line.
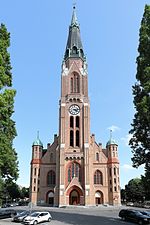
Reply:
x=74, y=109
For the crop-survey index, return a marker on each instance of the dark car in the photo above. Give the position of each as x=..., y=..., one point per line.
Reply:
x=20, y=216
x=134, y=216
x=7, y=213
x=147, y=213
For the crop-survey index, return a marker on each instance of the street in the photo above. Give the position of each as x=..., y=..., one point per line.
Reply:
x=79, y=216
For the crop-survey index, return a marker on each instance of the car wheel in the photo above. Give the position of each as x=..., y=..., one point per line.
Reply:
x=49, y=219
x=140, y=222
x=12, y=215
x=35, y=222
x=123, y=218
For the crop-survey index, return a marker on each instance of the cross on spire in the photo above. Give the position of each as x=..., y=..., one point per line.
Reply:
x=38, y=134
x=110, y=134
x=74, y=4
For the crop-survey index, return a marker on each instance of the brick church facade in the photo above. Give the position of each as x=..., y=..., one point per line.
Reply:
x=74, y=169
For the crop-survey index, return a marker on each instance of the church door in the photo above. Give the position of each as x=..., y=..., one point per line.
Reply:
x=51, y=198
x=74, y=198
x=98, y=198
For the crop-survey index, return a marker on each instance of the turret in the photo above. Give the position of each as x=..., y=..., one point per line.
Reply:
x=113, y=171
x=37, y=149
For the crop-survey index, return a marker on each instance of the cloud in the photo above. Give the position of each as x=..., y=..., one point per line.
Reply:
x=113, y=128
x=126, y=139
x=127, y=167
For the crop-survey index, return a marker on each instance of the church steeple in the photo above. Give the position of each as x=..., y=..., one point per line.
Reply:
x=74, y=20
x=74, y=47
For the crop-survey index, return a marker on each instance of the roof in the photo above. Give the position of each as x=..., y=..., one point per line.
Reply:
x=111, y=142
x=37, y=141
x=74, y=48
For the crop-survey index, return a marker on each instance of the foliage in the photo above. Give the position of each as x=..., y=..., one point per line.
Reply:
x=134, y=190
x=140, y=141
x=24, y=192
x=146, y=182
x=8, y=155
x=123, y=195
x=13, y=192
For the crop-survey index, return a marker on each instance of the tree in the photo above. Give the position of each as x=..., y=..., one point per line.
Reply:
x=140, y=141
x=123, y=195
x=134, y=190
x=8, y=155
x=13, y=190
x=24, y=192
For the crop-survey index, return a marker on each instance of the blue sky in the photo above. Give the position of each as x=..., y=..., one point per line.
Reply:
x=110, y=37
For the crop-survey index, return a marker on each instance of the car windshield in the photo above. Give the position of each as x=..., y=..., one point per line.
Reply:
x=35, y=214
x=138, y=213
x=145, y=213
x=23, y=213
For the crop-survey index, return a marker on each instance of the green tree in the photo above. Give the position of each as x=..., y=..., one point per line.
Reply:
x=140, y=141
x=13, y=190
x=8, y=155
x=146, y=183
x=123, y=195
x=24, y=192
x=134, y=190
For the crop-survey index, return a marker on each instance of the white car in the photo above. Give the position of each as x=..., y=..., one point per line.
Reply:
x=37, y=217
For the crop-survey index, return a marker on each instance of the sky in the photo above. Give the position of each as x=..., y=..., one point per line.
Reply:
x=110, y=38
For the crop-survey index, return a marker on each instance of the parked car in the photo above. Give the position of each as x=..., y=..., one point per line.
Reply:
x=147, y=213
x=37, y=217
x=129, y=204
x=7, y=213
x=134, y=216
x=20, y=216
x=146, y=204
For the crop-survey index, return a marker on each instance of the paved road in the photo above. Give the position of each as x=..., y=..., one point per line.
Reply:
x=79, y=216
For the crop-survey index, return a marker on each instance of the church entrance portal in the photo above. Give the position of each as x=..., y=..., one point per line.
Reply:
x=98, y=198
x=51, y=198
x=74, y=198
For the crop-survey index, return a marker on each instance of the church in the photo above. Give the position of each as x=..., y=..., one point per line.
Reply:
x=74, y=169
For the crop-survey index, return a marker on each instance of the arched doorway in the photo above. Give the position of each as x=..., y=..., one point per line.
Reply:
x=74, y=197
x=98, y=198
x=51, y=198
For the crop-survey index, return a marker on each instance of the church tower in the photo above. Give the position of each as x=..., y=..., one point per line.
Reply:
x=74, y=119
x=74, y=169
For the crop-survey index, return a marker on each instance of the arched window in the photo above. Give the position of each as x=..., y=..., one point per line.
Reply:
x=97, y=156
x=67, y=53
x=114, y=170
x=74, y=171
x=98, y=177
x=51, y=157
x=69, y=174
x=71, y=85
x=77, y=138
x=71, y=138
x=74, y=50
x=51, y=178
x=77, y=121
x=75, y=83
x=34, y=171
x=71, y=121
x=81, y=52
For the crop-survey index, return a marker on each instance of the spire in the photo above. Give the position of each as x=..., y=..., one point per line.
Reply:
x=74, y=21
x=37, y=141
x=111, y=141
x=74, y=47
